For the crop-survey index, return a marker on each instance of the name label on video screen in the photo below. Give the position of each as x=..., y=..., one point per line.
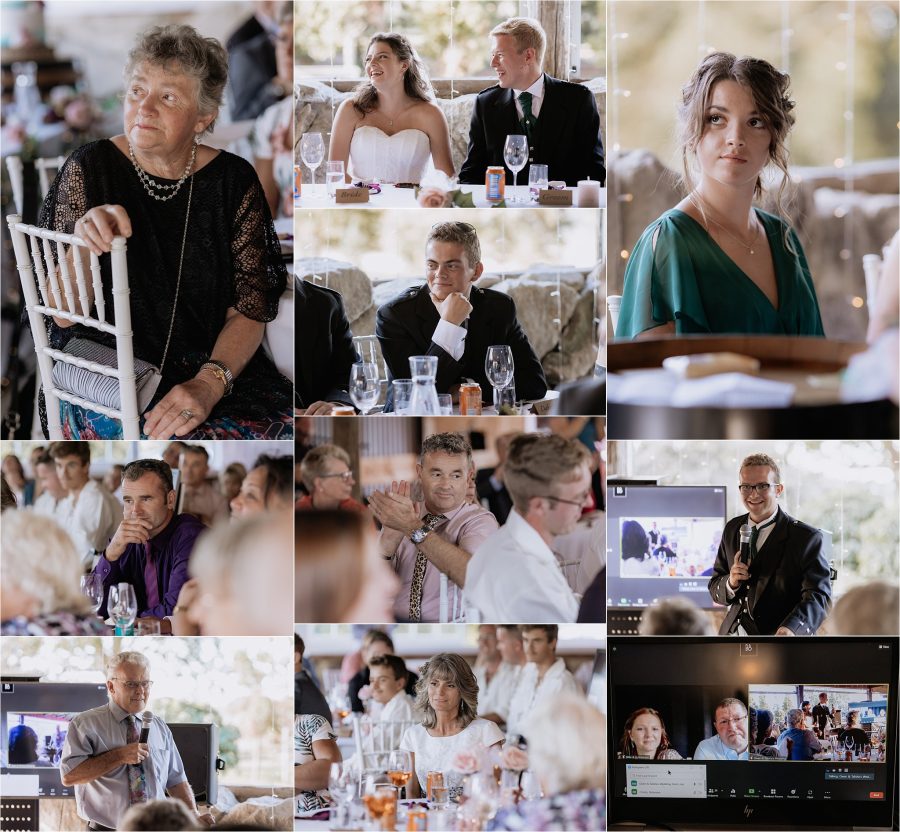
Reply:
x=659, y=780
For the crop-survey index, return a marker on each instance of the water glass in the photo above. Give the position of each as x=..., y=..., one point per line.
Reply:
x=364, y=385
x=147, y=627
x=505, y=397
x=515, y=154
x=445, y=400
x=537, y=180
x=92, y=589
x=334, y=177
x=402, y=393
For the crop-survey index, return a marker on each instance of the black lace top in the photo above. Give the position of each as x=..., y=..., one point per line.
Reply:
x=232, y=258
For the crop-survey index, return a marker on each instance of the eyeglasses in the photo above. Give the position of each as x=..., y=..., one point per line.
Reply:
x=761, y=488
x=134, y=685
x=580, y=502
x=346, y=476
x=737, y=720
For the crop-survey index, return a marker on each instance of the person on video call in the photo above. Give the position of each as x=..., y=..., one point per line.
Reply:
x=453, y=319
x=104, y=760
x=822, y=715
x=559, y=118
x=788, y=581
x=732, y=731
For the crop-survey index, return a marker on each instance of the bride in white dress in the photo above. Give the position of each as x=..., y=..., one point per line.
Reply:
x=390, y=127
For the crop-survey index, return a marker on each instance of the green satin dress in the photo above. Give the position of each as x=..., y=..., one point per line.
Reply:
x=688, y=279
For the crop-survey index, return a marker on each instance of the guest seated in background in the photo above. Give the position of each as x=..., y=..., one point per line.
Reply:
x=253, y=84
x=200, y=496
x=559, y=118
x=675, y=616
x=375, y=643
x=14, y=473
x=152, y=545
x=387, y=679
x=89, y=513
x=391, y=128
x=328, y=479
x=268, y=487
x=230, y=481
x=731, y=739
x=172, y=454
x=797, y=742
x=852, y=736
x=40, y=593
x=112, y=481
x=339, y=574
x=544, y=677
x=9, y=499
x=440, y=533
x=645, y=736
x=52, y=492
x=497, y=691
x=315, y=750
x=514, y=574
x=714, y=263
x=762, y=734
x=447, y=696
x=158, y=816
x=240, y=571
x=489, y=481
x=323, y=349
x=198, y=313
x=449, y=317
x=567, y=754
x=308, y=699
x=872, y=608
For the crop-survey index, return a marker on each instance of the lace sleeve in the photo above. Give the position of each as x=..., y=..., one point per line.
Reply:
x=66, y=201
x=259, y=274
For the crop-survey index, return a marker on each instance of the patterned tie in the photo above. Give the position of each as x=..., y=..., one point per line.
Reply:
x=528, y=120
x=137, y=781
x=418, y=578
x=150, y=577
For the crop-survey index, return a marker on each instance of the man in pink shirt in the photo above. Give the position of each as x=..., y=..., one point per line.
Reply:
x=425, y=540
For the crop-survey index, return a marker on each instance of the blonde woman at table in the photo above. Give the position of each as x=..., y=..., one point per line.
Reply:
x=391, y=126
x=447, y=695
x=714, y=263
x=40, y=593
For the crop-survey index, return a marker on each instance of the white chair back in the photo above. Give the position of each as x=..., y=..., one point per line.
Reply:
x=383, y=736
x=42, y=264
x=452, y=607
x=44, y=166
x=16, y=181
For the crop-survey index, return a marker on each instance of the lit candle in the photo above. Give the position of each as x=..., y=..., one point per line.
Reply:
x=587, y=194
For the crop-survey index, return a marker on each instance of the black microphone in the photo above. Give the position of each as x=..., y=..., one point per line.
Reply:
x=146, y=722
x=745, y=544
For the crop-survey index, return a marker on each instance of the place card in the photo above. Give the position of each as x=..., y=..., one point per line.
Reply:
x=541, y=407
x=349, y=196
x=554, y=197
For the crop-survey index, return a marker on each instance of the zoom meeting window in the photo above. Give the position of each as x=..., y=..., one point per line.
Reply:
x=741, y=719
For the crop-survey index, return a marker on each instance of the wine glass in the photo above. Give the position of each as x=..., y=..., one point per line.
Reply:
x=122, y=606
x=312, y=152
x=499, y=368
x=364, y=385
x=400, y=770
x=515, y=154
x=92, y=589
x=482, y=790
x=342, y=787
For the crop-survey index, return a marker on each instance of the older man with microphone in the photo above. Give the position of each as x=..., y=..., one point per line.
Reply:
x=770, y=569
x=115, y=758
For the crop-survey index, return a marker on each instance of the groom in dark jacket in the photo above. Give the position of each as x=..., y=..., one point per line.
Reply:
x=559, y=118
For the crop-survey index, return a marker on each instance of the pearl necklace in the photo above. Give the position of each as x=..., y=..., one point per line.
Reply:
x=699, y=202
x=150, y=184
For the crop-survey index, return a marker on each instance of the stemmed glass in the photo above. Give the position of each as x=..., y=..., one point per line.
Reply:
x=499, y=368
x=122, y=606
x=483, y=791
x=400, y=770
x=364, y=386
x=342, y=787
x=92, y=589
x=312, y=152
x=515, y=154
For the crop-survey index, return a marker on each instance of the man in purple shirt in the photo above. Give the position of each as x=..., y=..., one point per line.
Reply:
x=152, y=546
x=436, y=537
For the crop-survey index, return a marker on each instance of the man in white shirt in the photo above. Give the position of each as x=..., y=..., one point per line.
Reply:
x=387, y=680
x=732, y=730
x=543, y=677
x=514, y=575
x=52, y=492
x=496, y=692
x=89, y=513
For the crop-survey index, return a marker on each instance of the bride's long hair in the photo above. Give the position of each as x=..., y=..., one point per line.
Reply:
x=416, y=83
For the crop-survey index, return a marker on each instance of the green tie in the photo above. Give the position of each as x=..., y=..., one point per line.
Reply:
x=528, y=120
x=754, y=535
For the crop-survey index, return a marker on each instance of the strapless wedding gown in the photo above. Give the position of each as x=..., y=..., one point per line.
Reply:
x=374, y=155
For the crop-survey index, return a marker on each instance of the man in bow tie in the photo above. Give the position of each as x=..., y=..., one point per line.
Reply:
x=559, y=118
x=785, y=589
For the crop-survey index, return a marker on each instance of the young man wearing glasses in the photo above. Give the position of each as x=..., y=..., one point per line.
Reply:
x=785, y=590
x=514, y=575
x=105, y=760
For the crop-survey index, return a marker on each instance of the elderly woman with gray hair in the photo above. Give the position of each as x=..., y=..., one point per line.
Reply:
x=205, y=266
x=447, y=695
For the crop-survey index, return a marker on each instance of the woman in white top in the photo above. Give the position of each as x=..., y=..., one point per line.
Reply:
x=447, y=694
x=390, y=127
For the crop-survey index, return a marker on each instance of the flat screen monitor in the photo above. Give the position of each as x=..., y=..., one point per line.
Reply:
x=720, y=735
x=34, y=721
x=662, y=541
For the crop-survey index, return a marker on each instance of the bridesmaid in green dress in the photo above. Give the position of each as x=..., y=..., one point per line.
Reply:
x=714, y=263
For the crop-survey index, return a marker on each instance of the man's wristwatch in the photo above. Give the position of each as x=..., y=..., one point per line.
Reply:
x=418, y=535
x=220, y=370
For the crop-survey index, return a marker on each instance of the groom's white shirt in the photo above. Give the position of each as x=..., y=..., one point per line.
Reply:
x=537, y=97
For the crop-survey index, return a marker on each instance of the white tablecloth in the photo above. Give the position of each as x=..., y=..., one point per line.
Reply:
x=315, y=196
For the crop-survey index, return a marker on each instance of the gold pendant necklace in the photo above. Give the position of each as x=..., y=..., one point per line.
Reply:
x=699, y=203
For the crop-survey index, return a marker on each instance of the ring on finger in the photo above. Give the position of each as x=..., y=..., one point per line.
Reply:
x=187, y=415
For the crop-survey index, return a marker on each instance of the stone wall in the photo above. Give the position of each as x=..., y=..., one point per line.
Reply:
x=828, y=220
x=316, y=101
x=559, y=325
